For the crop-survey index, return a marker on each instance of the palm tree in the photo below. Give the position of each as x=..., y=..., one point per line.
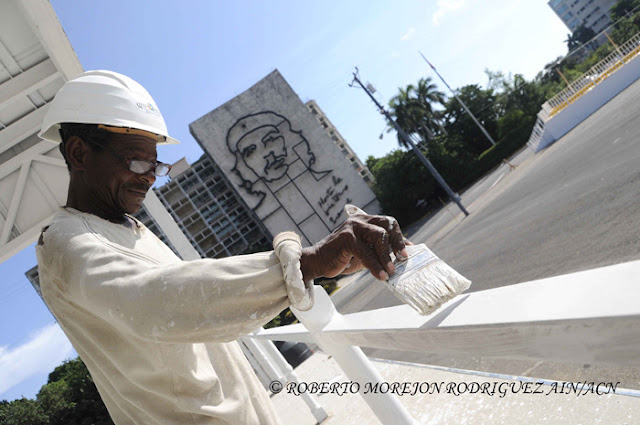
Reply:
x=428, y=94
x=413, y=109
x=572, y=42
x=402, y=109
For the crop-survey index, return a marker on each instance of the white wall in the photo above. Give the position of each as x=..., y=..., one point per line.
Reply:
x=588, y=103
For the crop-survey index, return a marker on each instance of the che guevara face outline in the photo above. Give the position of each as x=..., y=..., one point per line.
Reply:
x=265, y=147
x=263, y=150
x=265, y=142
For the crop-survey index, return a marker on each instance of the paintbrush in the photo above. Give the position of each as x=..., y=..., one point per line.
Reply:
x=422, y=280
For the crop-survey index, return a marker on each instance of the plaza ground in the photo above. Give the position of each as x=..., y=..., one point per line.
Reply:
x=574, y=206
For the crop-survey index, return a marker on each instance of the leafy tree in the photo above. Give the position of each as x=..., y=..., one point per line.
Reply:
x=622, y=8
x=413, y=109
x=457, y=121
x=403, y=185
x=548, y=75
x=515, y=93
x=428, y=95
x=55, y=399
x=583, y=34
x=70, y=397
x=450, y=155
x=507, y=109
x=83, y=402
x=23, y=411
x=626, y=28
x=515, y=124
x=599, y=54
x=627, y=15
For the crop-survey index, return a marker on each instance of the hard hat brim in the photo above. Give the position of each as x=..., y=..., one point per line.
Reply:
x=53, y=135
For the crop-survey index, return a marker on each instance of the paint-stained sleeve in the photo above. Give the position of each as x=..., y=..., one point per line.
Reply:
x=207, y=300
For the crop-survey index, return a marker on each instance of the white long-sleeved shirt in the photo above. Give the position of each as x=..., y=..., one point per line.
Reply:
x=157, y=333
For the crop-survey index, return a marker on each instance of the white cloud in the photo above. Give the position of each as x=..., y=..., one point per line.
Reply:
x=45, y=350
x=408, y=34
x=444, y=7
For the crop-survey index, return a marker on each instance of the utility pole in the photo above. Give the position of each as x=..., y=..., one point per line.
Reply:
x=461, y=102
x=454, y=196
x=614, y=45
x=565, y=80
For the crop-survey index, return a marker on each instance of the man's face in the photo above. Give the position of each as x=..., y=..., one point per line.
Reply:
x=265, y=152
x=115, y=188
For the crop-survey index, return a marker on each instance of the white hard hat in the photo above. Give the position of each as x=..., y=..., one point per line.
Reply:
x=107, y=98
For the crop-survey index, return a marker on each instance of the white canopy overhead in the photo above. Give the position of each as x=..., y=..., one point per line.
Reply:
x=36, y=58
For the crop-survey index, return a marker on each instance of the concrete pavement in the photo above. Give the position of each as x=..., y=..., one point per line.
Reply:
x=456, y=399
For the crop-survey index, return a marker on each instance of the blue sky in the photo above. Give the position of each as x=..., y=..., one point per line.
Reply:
x=194, y=55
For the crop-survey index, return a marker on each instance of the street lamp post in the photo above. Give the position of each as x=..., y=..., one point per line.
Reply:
x=484, y=131
x=454, y=196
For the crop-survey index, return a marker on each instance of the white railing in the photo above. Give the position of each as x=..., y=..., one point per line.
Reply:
x=537, y=132
x=585, y=317
x=598, y=73
x=593, y=76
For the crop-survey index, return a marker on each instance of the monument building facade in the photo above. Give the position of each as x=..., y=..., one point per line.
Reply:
x=281, y=161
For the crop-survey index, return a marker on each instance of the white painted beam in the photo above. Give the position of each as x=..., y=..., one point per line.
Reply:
x=21, y=129
x=25, y=239
x=41, y=186
x=170, y=227
x=7, y=60
x=260, y=372
x=28, y=82
x=272, y=362
x=16, y=162
x=584, y=317
x=45, y=24
x=386, y=406
x=18, y=191
x=36, y=99
x=50, y=160
x=293, y=333
x=3, y=214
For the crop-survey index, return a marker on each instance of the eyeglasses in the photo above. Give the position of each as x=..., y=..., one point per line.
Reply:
x=139, y=166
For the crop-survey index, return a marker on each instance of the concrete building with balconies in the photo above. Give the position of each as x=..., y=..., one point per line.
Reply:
x=593, y=14
x=208, y=211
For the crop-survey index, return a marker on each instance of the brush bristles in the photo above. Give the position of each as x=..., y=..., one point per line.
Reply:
x=431, y=286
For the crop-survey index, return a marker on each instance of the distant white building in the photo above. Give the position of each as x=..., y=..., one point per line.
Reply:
x=593, y=14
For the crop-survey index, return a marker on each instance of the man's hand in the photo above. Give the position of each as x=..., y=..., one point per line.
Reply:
x=361, y=241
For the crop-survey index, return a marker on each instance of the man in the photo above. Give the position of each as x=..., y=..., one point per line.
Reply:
x=157, y=333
